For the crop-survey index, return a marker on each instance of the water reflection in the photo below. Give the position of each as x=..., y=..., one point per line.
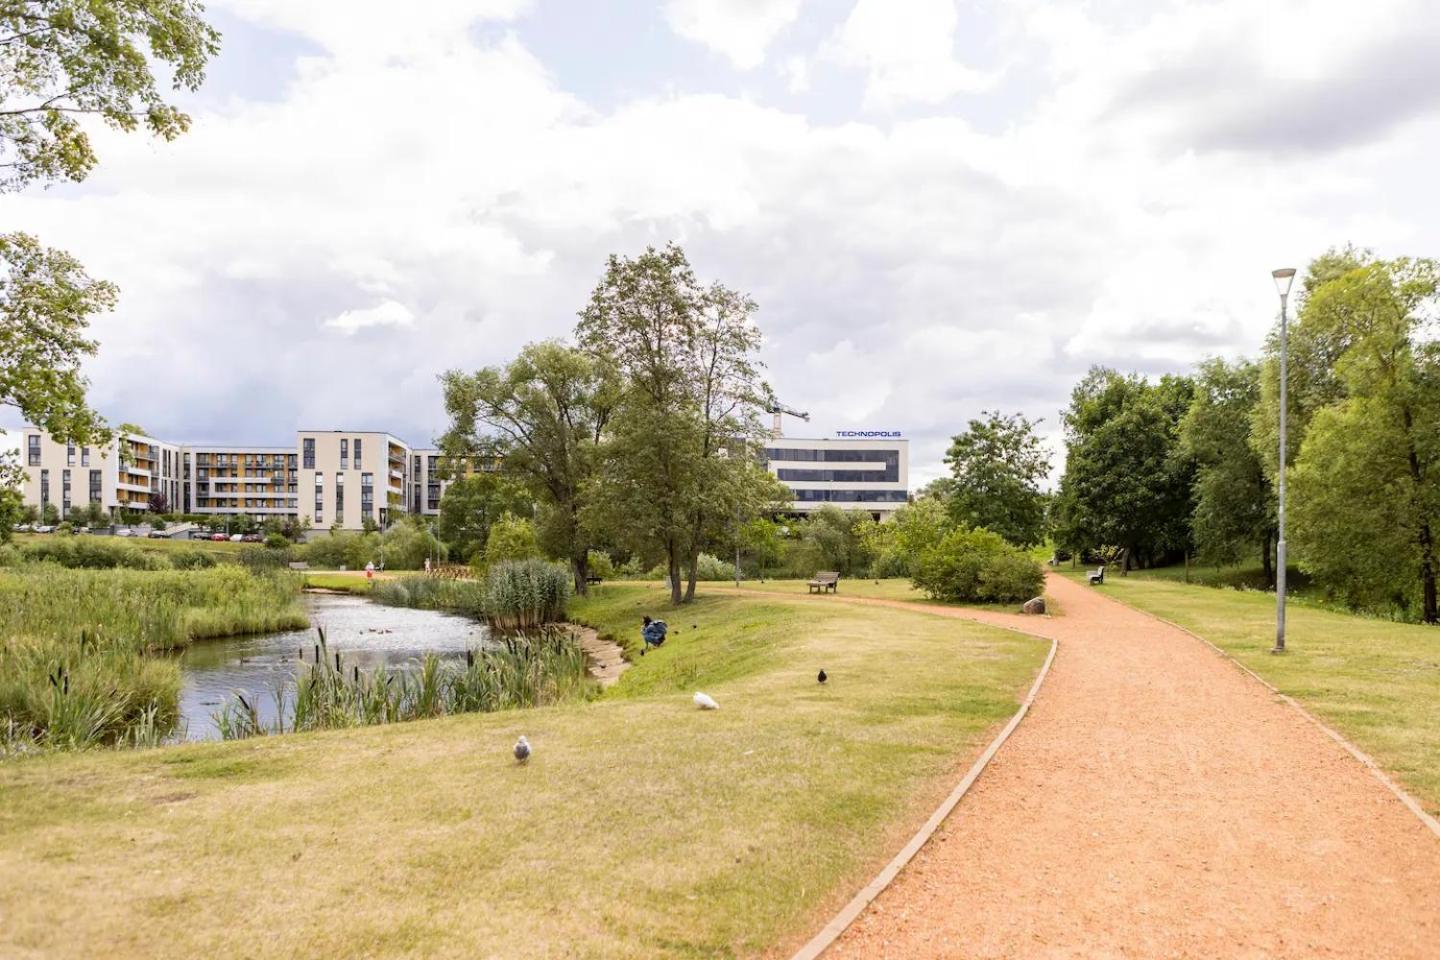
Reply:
x=366, y=634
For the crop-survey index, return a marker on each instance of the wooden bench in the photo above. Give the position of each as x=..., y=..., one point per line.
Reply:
x=1097, y=577
x=825, y=581
x=592, y=580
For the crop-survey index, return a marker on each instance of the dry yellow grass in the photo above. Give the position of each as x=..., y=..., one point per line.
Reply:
x=641, y=828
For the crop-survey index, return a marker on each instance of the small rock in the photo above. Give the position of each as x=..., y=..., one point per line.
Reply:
x=1034, y=606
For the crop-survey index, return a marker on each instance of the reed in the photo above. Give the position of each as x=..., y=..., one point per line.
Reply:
x=525, y=594
x=532, y=670
x=432, y=593
x=80, y=650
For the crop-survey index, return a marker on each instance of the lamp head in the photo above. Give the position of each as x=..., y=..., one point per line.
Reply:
x=1283, y=278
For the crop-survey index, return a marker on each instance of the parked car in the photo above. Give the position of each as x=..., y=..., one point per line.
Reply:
x=124, y=532
x=24, y=527
x=45, y=528
x=219, y=537
x=236, y=537
x=159, y=535
x=253, y=538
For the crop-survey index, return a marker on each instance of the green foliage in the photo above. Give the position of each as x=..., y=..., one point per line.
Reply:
x=406, y=545
x=470, y=506
x=432, y=593
x=96, y=553
x=762, y=543
x=1367, y=477
x=712, y=568
x=276, y=541
x=1127, y=482
x=50, y=514
x=1234, y=503
x=970, y=565
x=67, y=58
x=896, y=546
x=997, y=465
x=12, y=509
x=675, y=473
x=834, y=539
x=511, y=538
x=525, y=670
x=540, y=418
x=80, y=664
x=600, y=565
x=523, y=595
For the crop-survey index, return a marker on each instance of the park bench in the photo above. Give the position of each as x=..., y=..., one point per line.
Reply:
x=592, y=580
x=825, y=580
x=1097, y=577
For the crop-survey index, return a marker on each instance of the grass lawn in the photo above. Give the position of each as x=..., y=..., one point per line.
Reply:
x=348, y=582
x=1375, y=681
x=641, y=828
x=888, y=589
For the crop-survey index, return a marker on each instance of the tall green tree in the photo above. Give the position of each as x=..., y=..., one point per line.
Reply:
x=541, y=418
x=61, y=60
x=678, y=470
x=1366, y=500
x=997, y=464
x=1234, y=501
x=472, y=504
x=1127, y=483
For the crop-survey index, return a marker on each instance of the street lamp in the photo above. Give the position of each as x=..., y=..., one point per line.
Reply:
x=1283, y=278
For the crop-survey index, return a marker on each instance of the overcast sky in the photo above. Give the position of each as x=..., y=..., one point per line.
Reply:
x=941, y=206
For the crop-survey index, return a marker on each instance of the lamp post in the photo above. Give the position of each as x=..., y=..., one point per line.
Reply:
x=1283, y=278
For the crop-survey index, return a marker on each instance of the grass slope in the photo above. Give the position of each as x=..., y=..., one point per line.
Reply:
x=225, y=552
x=1376, y=681
x=641, y=828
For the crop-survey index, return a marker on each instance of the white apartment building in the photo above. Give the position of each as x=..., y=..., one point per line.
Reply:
x=327, y=476
x=867, y=471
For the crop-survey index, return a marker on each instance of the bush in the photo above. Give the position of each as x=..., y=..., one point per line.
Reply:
x=91, y=553
x=276, y=541
x=523, y=594
x=191, y=559
x=971, y=565
x=511, y=538
x=600, y=565
x=10, y=555
x=709, y=567
x=406, y=545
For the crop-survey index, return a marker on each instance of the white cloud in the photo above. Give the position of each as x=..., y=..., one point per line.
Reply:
x=906, y=48
x=388, y=313
x=739, y=30
x=796, y=71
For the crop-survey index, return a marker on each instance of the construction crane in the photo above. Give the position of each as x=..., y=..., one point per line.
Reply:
x=778, y=408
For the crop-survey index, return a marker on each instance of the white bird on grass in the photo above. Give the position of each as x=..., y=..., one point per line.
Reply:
x=522, y=749
x=705, y=702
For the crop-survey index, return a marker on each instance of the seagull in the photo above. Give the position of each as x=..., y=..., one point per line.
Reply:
x=522, y=749
x=705, y=702
x=822, y=678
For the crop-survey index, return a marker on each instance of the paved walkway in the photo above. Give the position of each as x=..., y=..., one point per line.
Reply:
x=1156, y=802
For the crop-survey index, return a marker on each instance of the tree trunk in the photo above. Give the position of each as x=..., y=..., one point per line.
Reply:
x=1426, y=537
x=581, y=563
x=673, y=560
x=1267, y=562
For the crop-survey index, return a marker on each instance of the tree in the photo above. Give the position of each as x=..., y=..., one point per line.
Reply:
x=1367, y=477
x=12, y=509
x=761, y=539
x=834, y=539
x=471, y=505
x=159, y=503
x=1126, y=483
x=540, y=418
x=64, y=59
x=678, y=469
x=1234, y=501
x=511, y=538
x=997, y=465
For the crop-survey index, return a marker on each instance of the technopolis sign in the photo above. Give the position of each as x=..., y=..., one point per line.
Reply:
x=868, y=434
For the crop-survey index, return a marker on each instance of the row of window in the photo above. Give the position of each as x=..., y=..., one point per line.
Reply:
x=850, y=496
x=891, y=474
x=800, y=455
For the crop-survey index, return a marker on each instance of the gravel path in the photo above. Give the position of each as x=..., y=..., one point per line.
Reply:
x=1157, y=803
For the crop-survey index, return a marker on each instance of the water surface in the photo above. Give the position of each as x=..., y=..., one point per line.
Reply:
x=366, y=634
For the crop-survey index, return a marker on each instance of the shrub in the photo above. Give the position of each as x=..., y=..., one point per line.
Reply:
x=93, y=553
x=600, y=565
x=406, y=545
x=972, y=565
x=191, y=559
x=10, y=555
x=709, y=567
x=523, y=594
x=276, y=541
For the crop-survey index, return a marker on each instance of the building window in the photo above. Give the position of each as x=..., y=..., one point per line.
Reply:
x=357, y=453
x=339, y=495
x=95, y=494
x=33, y=442
x=344, y=454
x=69, y=454
x=84, y=456
x=44, y=488
x=309, y=448
x=64, y=493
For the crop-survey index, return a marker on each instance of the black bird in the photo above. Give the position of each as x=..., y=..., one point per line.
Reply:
x=822, y=678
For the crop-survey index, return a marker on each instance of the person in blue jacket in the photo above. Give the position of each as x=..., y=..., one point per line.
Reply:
x=652, y=632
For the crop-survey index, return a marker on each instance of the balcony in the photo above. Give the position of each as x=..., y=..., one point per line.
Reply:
x=133, y=487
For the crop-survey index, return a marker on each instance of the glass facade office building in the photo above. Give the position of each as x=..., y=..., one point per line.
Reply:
x=852, y=474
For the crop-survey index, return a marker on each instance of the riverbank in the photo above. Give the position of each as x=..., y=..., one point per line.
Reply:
x=640, y=827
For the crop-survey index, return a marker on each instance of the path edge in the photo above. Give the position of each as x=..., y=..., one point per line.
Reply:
x=1368, y=762
x=848, y=914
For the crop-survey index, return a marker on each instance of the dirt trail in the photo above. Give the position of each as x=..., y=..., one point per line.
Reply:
x=1156, y=802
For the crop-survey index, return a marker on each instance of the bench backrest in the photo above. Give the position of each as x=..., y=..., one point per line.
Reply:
x=827, y=576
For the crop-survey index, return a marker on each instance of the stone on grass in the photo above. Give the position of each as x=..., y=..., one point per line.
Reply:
x=1034, y=606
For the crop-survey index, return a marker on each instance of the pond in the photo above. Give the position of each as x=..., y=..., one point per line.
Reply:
x=367, y=634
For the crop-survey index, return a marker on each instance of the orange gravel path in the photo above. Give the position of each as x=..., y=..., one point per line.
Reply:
x=1157, y=802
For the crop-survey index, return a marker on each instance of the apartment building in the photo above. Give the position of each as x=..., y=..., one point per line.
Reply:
x=327, y=476
x=120, y=475
x=852, y=472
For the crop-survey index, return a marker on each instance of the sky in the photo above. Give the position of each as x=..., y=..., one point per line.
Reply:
x=942, y=207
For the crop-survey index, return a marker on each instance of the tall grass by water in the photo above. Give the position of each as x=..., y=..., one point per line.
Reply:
x=533, y=670
x=81, y=651
x=515, y=594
